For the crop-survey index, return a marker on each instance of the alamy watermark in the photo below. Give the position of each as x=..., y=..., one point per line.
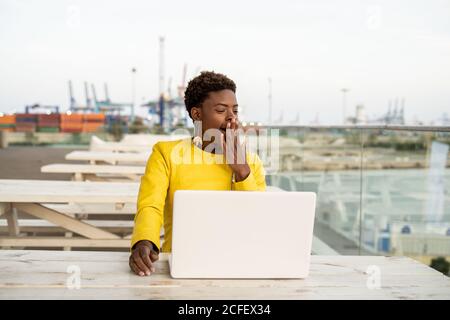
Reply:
x=374, y=18
x=73, y=17
x=374, y=277
x=74, y=279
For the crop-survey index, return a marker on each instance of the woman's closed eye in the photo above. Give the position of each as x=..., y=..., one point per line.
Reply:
x=224, y=110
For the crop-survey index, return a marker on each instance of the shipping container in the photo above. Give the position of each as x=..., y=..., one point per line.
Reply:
x=26, y=118
x=25, y=127
x=48, y=129
x=8, y=119
x=74, y=117
x=48, y=120
x=94, y=117
x=92, y=127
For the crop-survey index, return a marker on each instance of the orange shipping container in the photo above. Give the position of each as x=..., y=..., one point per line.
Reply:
x=8, y=119
x=94, y=117
x=71, y=126
x=7, y=129
x=74, y=117
x=25, y=127
x=91, y=127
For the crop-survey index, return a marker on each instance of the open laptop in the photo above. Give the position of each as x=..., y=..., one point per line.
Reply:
x=242, y=234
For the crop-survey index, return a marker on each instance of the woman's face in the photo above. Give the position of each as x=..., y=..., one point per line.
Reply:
x=217, y=110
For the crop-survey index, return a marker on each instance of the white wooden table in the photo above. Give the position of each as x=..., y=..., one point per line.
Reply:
x=95, y=172
x=120, y=147
x=133, y=142
x=109, y=157
x=47, y=200
x=106, y=275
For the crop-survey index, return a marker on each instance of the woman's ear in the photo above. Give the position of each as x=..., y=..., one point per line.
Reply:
x=196, y=114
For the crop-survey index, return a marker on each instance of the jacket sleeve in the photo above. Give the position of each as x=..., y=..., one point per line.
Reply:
x=256, y=180
x=151, y=199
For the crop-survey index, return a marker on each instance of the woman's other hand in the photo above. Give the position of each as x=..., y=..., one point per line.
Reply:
x=142, y=258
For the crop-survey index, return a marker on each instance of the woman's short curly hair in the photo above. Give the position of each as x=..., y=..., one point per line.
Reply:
x=198, y=88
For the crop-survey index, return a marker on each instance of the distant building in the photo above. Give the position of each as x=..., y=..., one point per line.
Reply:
x=360, y=116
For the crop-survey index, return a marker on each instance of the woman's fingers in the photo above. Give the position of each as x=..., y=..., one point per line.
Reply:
x=142, y=258
x=141, y=265
x=145, y=256
x=224, y=147
x=240, y=144
x=229, y=140
x=154, y=256
x=236, y=141
x=236, y=149
x=135, y=267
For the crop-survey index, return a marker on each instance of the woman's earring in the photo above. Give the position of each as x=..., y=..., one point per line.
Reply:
x=198, y=141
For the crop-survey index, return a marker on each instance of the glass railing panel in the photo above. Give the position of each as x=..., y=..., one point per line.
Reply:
x=406, y=201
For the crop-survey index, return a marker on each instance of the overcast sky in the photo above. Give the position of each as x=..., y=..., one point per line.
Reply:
x=380, y=50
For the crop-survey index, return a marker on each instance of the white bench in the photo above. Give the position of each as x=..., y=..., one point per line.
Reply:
x=109, y=157
x=37, y=225
x=92, y=172
x=132, y=142
x=29, y=196
x=73, y=209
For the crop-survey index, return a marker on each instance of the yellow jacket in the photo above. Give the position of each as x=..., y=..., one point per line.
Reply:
x=179, y=165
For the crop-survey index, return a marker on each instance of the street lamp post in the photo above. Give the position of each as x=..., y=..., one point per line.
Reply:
x=270, y=101
x=344, y=102
x=133, y=92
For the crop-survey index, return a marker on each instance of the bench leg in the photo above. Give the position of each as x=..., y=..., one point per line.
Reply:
x=77, y=176
x=13, y=224
x=68, y=235
x=133, y=177
x=11, y=218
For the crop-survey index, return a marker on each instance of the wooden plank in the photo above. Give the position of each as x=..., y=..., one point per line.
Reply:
x=109, y=275
x=149, y=291
x=42, y=226
x=77, y=176
x=92, y=208
x=4, y=208
x=18, y=190
x=119, y=147
x=97, y=223
x=66, y=222
x=115, y=272
x=58, y=242
x=106, y=275
x=137, y=158
x=150, y=139
x=35, y=230
x=68, y=235
x=78, y=256
x=51, y=191
x=133, y=177
x=95, y=169
x=13, y=224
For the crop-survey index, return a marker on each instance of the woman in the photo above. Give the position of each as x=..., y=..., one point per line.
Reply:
x=215, y=159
